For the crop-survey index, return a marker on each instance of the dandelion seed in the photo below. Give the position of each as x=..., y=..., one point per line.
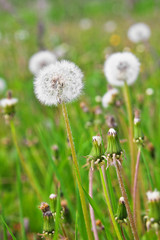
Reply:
x=59, y=82
x=2, y=85
x=109, y=97
x=40, y=60
x=121, y=67
x=139, y=32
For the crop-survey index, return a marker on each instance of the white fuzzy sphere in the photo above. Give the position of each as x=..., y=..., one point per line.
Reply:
x=109, y=97
x=59, y=82
x=121, y=67
x=40, y=60
x=2, y=85
x=153, y=196
x=139, y=32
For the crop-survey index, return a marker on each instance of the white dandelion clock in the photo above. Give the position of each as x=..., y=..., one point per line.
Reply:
x=8, y=102
x=109, y=97
x=121, y=67
x=59, y=82
x=40, y=60
x=139, y=32
x=153, y=196
x=2, y=85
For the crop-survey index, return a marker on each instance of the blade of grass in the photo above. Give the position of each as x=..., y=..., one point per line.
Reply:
x=9, y=230
x=58, y=215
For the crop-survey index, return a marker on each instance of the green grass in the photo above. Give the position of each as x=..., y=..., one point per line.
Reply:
x=46, y=126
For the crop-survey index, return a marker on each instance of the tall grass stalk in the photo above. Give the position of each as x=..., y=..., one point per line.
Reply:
x=130, y=118
x=82, y=196
x=135, y=186
x=109, y=205
x=124, y=194
x=91, y=171
x=19, y=184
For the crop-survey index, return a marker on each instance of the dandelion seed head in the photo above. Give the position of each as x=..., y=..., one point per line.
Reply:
x=97, y=139
x=53, y=196
x=149, y=91
x=139, y=32
x=59, y=82
x=109, y=97
x=8, y=102
x=121, y=67
x=153, y=196
x=40, y=60
x=2, y=85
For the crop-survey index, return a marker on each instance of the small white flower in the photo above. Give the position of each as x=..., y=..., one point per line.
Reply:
x=2, y=85
x=97, y=139
x=149, y=91
x=21, y=34
x=40, y=60
x=139, y=32
x=8, y=102
x=153, y=196
x=85, y=23
x=59, y=82
x=110, y=26
x=109, y=97
x=121, y=67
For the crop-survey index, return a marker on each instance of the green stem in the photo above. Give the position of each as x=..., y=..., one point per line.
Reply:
x=124, y=194
x=19, y=185
x=82, y=197
x=130, y=118
x=26, y=168
x=109, y=205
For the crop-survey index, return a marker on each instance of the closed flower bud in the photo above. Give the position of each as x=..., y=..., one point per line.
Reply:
x=97, y=151
x=113, y=145
x=121, y=215
x=53, y=202
x=138, y=134
x=48, y=219
x=154, y=205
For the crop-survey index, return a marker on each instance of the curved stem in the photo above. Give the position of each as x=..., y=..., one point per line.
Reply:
x=130, y=118
x=135, y=186
x=124, y=194
x=122, y=232
x=109, y=206
x=91, y=171
x=82, y=197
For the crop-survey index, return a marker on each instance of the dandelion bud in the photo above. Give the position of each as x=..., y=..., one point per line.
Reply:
x=8, y=105
x=48, y=219
x=138, y=135
x=66, y=212
x=113, y=145
x=154, y=205
x=121, y=215
x=53, y=202
x=96, y=152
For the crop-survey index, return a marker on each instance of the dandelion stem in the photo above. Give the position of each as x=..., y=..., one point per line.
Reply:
x=109, y=206
x=124, y=194
x=122, y=233
x=82, y=197
x=130, y=118
x=104, y=176
x=91, y=171
x=19, y=185
x=26, y=168
x=135, y=186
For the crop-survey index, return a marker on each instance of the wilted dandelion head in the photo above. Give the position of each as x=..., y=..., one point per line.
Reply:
x=139, y=32
x=109, y=97
x=40, y=60
x=97, y=140
x=59, y=82
x=121, y=67
x=2, y=85
x=153, y=196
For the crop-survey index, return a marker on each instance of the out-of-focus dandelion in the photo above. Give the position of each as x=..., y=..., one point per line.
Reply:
x=115, y=40
x=59, y=82
x=85, y=23
x=121, y=67
x=40, y=60
x=149, y=91
x=98, y=99
x=61, y=50
x=109, y=97
x=21, y=34
x=139, y=32
x=110, y=26
x=3, y=85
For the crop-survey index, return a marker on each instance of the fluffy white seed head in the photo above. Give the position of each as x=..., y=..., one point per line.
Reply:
x=139, y=32
x=121, y=67
x=59, y=82
x=2, y=85
x=149, y=91
x=153, y=196
x=97, y=139
x=109, y=97
x=53, y=196
x=40, y=60
x=8, y=102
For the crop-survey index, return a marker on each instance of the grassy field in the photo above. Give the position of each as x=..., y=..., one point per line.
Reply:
x=39, y=128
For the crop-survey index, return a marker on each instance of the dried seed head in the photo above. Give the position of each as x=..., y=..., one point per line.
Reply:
x=139, y=32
